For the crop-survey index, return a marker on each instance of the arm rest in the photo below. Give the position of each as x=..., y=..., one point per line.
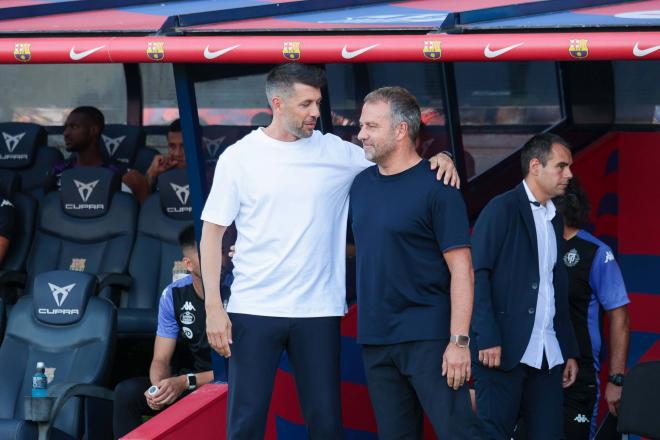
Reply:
x=44, y=410
x=112, y=279
x=12, y=277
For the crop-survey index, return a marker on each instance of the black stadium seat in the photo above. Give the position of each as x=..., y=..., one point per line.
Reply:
x=88, y=226
x=156, y=254
x=215, y=140
x=125, y=144
x=3, y=319
x=12, y=268
x=23, y=149
x=69, y=329
x=640, y=400
x=26, y=211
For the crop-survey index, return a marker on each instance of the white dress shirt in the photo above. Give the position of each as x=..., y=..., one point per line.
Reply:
x=543, y=336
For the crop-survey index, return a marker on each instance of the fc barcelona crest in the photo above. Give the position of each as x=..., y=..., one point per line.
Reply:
x=432, y=50
x=156, y=50
x=291, y=50
x=22, y=52
x=578, y=49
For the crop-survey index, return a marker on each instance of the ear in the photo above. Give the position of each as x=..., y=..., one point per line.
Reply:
x=534, y=166
x=276, y=103
x=401, y=131
x=94, y=129
x=188, y=263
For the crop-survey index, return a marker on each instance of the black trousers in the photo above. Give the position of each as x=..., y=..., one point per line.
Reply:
x=580, y=410
x=130, y=405
x=534, y=394
x=313, y=346
x=405, y=380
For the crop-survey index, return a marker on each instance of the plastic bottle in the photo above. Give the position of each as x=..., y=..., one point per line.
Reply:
x=40, y=381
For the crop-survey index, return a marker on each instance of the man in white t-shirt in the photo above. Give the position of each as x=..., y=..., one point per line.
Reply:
x=286, y=187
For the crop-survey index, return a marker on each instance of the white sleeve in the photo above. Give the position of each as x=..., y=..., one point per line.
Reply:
x=222, y=205
x=356, y=156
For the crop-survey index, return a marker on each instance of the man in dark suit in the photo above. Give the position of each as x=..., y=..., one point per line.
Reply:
x=524, y=347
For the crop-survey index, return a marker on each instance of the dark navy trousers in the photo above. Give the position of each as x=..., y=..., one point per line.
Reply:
x=535, y=395
x=312, y=345
x=405, y=381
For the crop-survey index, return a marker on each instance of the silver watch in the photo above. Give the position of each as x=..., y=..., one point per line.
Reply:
x=462, y=341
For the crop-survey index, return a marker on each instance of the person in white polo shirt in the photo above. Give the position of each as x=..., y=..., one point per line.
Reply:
x=286, y=188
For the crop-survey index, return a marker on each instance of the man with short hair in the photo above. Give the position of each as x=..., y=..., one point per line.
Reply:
x=595, y=284
x=525, y=348
x=82, y=136
x=286, y=186
x=181, y=315
x=414, y=279
x=175, y=158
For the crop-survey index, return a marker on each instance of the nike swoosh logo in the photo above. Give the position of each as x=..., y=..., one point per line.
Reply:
x=348, y=54
x=643, y=52
x=496, y=53
x=77, y=56
x=211, y=55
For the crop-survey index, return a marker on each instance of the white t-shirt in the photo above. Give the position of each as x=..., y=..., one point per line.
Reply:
x=290, y=204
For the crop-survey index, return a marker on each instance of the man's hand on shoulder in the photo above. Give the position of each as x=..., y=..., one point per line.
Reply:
x=445, y=167
x=491, y=357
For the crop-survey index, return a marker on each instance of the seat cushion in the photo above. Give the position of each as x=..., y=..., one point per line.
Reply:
x=18, y=430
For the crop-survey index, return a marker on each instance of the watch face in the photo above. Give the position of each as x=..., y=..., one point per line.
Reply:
x=461, y=340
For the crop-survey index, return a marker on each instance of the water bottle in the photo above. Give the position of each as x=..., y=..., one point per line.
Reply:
x=40, y=381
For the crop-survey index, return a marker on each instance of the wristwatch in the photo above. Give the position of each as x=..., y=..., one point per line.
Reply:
x=616, y=379
x=192, y=381
x=462, y=341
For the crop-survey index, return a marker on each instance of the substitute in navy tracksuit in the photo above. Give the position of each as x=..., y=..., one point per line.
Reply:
x=524, y=346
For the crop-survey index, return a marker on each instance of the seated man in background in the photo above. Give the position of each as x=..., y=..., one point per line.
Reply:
x=7, y=221
x=82, y=137
x=181, y=314
x=175, y=158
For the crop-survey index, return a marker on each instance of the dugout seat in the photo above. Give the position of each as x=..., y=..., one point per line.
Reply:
x=23, y=149
x=69, y=329
x=156, y=255
x=640, y=399
x=125, y=144
x=87, y=226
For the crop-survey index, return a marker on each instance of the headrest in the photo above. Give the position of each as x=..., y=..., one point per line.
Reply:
x=10, y=183
x=174, y=192
x=87, y=191
x=19, y=142
x=60, y=296
x=216, y=138
x=121, y=142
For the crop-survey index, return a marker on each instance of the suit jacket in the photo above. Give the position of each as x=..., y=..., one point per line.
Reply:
x=505, y=258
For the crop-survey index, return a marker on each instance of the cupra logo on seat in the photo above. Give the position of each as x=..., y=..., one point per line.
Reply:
x=111, y=144
x=212, y=146
x=12, y=141
x=182, y=192
x=85, y=189
x=60, y=293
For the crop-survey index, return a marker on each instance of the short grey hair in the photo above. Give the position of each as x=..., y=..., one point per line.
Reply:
x=403, y=107
x=280, y=79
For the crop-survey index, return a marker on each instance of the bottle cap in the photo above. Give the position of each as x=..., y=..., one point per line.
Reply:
x=41, y=365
